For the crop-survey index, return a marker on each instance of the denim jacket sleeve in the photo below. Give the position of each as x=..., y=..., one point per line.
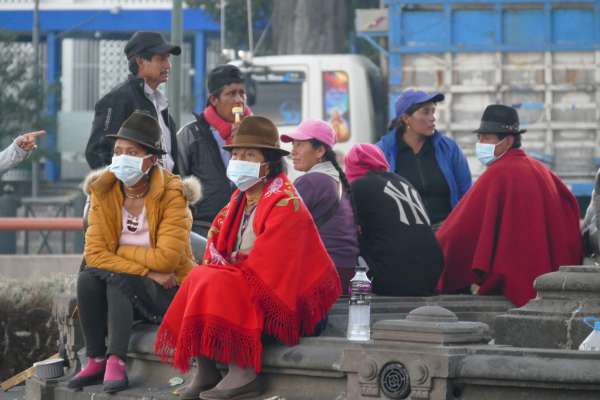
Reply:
x=461, y=171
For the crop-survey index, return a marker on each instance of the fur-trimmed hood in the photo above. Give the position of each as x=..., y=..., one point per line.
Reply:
x=101, y=180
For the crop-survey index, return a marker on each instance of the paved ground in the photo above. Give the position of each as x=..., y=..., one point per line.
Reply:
x=17, y=393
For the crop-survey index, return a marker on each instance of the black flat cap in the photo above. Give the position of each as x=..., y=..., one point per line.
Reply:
x=149, y=42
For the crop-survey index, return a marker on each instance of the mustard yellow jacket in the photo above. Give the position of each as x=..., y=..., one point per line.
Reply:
x=169, y=220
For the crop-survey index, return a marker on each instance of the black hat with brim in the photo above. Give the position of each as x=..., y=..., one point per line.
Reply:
x=500, y=119
x=143, y=129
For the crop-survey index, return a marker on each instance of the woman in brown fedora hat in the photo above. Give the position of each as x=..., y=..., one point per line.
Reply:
x=137, y=249
x=265, y=272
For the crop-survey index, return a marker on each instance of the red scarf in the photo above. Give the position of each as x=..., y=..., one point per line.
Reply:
x=517, y=222
x=283, y=288
x=223, y=127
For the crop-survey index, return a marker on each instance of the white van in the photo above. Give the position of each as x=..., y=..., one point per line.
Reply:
x=344, y=90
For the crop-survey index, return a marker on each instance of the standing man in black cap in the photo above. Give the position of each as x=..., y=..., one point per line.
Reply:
x=200, y=142
x=517, y=222
x=148, y=55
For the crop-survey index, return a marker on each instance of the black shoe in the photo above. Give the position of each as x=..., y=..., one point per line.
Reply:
x=115, y=386
x=79, y=383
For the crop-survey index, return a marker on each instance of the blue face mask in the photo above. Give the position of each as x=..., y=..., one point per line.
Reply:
x=244, y=174
x=485, y=152
x=128, y=169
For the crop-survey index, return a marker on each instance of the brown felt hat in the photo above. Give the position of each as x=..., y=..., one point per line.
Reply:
x=257, y=132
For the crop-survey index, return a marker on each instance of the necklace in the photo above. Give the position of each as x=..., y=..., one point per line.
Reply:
x=137, y=195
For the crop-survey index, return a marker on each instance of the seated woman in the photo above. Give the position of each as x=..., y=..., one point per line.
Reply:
x=326, y=193
x=137, y=249
x=396, y=239
x=265, y=272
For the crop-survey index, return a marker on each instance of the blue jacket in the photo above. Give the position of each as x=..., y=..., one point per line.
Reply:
x=448, y=155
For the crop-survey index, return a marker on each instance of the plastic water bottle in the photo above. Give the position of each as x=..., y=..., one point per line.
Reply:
x=592, y=342
x=359, y=310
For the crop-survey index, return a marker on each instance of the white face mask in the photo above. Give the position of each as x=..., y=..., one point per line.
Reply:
x=485, y=152
x=244, y=174
x=128, y=169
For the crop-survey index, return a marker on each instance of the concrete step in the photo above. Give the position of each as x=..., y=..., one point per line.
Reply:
x=310, y=370
x=466, y=307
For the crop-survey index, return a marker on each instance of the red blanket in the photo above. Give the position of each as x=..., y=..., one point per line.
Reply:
x=516, y=223
x=283, y=288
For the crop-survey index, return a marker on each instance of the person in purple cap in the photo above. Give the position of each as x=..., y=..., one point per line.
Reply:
x=326, y=192
x=432, y=162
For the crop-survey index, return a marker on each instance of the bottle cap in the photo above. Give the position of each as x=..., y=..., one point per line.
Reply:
x=362, y=263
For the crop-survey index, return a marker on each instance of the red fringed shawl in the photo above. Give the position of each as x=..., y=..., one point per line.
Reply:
x=517, y=222
x=283, y=288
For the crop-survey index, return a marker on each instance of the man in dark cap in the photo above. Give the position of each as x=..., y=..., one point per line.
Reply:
x=517, y=222
x=200, y=142
x=148, y=54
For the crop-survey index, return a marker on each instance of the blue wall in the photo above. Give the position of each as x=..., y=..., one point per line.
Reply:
x=124, y=21
x=468, y=25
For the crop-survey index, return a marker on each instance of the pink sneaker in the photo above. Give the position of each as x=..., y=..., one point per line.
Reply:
x=115, y=377
x=90, y=375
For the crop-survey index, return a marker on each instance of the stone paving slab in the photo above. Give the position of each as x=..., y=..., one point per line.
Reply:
x=16, y=393
x=135, y=392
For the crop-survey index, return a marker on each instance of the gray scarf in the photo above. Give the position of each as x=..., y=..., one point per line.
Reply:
x=326, y=168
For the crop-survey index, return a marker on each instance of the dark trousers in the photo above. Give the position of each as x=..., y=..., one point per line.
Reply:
x=201, y=228
x=106, y=313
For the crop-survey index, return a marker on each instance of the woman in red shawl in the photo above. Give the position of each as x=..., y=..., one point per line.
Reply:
x=265, y=272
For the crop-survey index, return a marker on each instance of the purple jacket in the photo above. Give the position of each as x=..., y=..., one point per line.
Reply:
x=339, y=234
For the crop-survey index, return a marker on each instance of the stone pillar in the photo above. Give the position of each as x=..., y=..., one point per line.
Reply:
x=70, y=336
x=70, y=341
x=554, y=319
x=411, y=356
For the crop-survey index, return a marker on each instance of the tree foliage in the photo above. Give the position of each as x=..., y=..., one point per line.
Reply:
x=236, y=21
x=264, y=17
x=22, y=98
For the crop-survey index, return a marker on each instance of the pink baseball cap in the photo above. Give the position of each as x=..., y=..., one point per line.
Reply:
x=312, y=129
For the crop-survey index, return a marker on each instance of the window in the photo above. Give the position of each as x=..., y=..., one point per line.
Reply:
x=279, y=97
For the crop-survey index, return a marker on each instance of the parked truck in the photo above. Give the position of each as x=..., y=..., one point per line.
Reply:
x=540, y=56
x=344, y=89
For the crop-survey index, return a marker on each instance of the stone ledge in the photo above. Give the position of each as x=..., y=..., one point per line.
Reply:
x=32, y=266
x=466, y=307
x=564, y=298
x=310, y=370
x=312, y=353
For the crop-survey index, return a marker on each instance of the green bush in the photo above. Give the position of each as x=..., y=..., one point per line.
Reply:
x=28, y=331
